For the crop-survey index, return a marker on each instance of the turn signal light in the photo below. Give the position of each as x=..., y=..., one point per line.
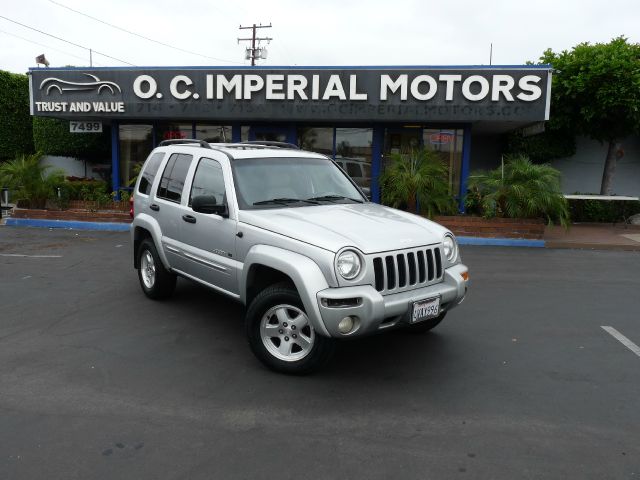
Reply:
x=465, y=276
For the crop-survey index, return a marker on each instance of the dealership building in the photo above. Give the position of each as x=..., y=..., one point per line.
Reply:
x=355, y=115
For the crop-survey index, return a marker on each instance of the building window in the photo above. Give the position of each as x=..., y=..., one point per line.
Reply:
x=353, y=153
x=448, y=144
x=173, y=131
x=136, y=142
x=315, y=139
x=214, y=133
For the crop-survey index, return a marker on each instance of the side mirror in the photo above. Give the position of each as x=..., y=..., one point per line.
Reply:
x=208, y=204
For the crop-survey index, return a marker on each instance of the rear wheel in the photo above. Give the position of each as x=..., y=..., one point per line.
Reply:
x=156, y=281
x=281, y=335
x=426, y=325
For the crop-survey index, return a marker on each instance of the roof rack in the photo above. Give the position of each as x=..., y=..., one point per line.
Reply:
x=269, y=143
x=185, y=141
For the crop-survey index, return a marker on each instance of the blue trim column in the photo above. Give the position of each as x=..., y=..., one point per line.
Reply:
x=236, y=133
x=115, y=157
x=466, y=162
x=377, y=146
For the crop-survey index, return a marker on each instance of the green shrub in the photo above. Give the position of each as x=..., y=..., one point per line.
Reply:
x=605, y=211
x=520, y=190
x=29, y=181
x=417, y=181
x=16, y=136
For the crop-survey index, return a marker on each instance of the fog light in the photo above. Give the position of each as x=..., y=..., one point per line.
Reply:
x=346, y=325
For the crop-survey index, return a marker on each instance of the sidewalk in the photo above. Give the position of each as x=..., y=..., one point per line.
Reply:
x=595, y=236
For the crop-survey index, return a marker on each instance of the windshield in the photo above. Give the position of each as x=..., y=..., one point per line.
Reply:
x=291, y=182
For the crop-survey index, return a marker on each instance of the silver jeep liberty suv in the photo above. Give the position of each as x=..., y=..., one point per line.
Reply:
x=291, y=236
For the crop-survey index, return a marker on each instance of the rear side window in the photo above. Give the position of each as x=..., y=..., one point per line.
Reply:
x=149, y=173
x=208, y=180
x=174, y=176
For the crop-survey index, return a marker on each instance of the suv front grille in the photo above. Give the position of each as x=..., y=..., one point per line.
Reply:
x=408, y=269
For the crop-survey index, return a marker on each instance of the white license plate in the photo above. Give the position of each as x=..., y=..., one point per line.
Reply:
x=425, y=309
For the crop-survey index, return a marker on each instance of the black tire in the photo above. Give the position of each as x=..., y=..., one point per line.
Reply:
x=427, y=325
x=163, y=282
x=281, y=295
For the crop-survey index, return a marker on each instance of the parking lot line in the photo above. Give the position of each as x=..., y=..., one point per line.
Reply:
x=28, y=256
x=622, y=339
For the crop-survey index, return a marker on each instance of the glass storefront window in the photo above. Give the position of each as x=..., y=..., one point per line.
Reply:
x=314, y=139
x=213, y=133
x=173, y=131
x=136, y=142
x=354, y=153
x=448, y=144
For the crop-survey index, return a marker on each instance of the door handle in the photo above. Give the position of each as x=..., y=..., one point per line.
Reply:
x=154, y=207
x=189, y=218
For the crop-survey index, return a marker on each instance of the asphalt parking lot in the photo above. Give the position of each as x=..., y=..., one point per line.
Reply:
x=520, y=382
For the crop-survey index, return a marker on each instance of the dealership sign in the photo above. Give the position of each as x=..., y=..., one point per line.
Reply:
x=375, y=94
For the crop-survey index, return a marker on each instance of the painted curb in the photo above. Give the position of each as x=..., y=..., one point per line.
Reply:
x=501, y=242
x=69, y=224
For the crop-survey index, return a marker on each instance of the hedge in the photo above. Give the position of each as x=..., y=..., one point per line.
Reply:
x=606, y=211
x=52, y=137
x=15, y=119
x=541, y=148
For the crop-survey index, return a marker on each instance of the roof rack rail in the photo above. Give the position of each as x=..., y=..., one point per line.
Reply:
x=270, y=143
x=184, y=141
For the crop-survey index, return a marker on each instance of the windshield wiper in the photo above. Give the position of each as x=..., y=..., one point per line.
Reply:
x=285, y=201
x=330, y=198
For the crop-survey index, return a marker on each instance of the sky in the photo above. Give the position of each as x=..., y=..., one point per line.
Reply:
x=324, y=33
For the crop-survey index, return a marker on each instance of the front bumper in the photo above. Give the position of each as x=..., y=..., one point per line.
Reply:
x=374, y=312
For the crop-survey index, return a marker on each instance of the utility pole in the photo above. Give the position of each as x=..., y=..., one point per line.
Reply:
x=255, y=52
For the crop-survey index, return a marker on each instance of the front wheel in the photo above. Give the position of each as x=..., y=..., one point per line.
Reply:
x=280, y=334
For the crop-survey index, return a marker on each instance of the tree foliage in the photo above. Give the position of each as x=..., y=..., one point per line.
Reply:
x=521, y=190
x=417, y=180
x=596, y=92
x=52, y=137
x=15, y=119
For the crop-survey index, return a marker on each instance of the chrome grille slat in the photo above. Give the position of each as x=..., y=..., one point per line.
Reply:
x=407, y=269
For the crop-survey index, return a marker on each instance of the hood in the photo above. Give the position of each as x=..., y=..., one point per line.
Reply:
x=369, y=227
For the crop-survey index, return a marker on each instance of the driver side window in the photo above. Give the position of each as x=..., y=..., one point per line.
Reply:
x=208, y=180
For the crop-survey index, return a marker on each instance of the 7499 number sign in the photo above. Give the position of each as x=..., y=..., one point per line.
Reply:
x=85, y=127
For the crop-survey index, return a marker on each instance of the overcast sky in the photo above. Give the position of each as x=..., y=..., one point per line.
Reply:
x=334, y=32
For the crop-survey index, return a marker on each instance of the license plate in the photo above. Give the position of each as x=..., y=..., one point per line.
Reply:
x=425, y=309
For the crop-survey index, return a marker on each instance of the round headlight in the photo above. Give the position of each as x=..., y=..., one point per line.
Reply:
x=348, y=264
x=450, y=247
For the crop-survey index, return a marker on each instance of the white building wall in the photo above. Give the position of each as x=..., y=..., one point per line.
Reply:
x=583, y=172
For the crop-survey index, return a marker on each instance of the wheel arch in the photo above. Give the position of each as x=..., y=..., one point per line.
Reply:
x=144, y=227
x=265, y=265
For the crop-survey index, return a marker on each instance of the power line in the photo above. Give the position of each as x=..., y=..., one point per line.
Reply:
x=42, y=45
x=66, y=41
x=142, y=36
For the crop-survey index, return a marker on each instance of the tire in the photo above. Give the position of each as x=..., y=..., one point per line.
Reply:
x=426, y=325
x=156, y=281
x=280, y=334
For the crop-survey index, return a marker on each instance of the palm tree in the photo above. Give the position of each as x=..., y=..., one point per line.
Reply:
x=29, y=181
x=521, y=190
x=417, y=180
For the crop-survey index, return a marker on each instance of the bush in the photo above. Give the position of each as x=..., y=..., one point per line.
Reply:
x=523, y=190
x=52, y=137
x=605, y=211
x=417, y=181
x=29, y=181
x=16, y=136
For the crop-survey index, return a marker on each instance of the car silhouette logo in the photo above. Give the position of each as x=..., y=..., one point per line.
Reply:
x=66, y=86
